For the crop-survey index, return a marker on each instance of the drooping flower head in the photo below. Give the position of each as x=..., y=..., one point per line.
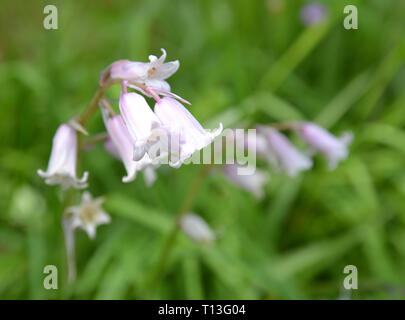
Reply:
x=186, y=133
x=333, y=148
x=88, y=215
x=263, y=150
x=120, y=144
x=62, y=163
x=142, y=123
x=152, y=73
x=289, y=159
x=148, y=171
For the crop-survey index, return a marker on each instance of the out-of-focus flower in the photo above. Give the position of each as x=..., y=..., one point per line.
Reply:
x=186, y=133
x=151, y=74
x=312, y=13
x=253, y=183
x=289, y=159
x=263, y=150
x=88, y=215
x=62, y=163
x=258, y=140
x=196, y=228
x=333, y=148
x=143, y=125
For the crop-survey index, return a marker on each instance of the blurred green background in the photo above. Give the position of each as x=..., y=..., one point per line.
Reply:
x=240, y=60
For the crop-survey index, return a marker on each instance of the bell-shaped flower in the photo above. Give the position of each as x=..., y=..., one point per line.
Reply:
x=88, y=215
x=143, y=125
x=186, y=133
x=289, y=159
x=253, y=183
x=62, y=163
x=263, y=150
x=149, y=173
x=258, y=140
x=120, y=145
x=333, y=148
x=196, y=228
x=152, y=73
x=122, y=141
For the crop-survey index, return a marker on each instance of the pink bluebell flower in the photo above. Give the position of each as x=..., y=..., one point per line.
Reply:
x=124, y=144
x=186, y=133
x=152, y=73
x=289, y=159
x=142, y=123
x=149, y=173
x=335, y=149
x=120, y=144
x=62, y=163
x=122, y=141
x=263, y=150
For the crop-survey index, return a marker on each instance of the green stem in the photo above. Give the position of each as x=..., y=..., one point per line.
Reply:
x=101, y=137
x=93, y=105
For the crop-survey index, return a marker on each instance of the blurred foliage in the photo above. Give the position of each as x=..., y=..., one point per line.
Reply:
x=239, y=60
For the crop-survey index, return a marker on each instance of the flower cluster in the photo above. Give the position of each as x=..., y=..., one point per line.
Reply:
x=141, y=137
x=282, y=155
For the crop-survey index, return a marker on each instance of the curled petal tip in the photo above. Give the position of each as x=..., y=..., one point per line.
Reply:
x=85, y=177
x=41, y=173
x=129, y=178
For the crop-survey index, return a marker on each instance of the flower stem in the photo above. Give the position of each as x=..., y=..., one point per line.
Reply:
x=93, y=105
x=70, y=249
x=101, y=137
